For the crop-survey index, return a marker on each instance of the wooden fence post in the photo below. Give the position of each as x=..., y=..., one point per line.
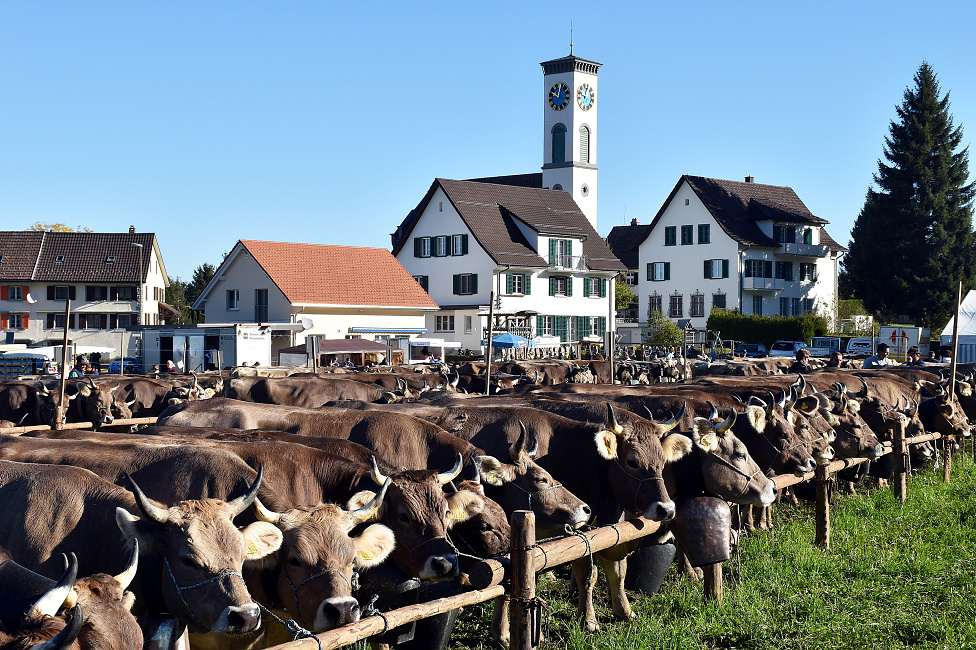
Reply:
x=523, y=611
x=899, y=479
x=949, y=442
x=823, y=507
x=713, y=582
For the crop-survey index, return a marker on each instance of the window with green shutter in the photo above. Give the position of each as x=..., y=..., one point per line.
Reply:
x=560, y=329
x=583, y=326
x=603, y=287
x=559, y=144
x=671, y=236
x=528, y=284
x=586, y=287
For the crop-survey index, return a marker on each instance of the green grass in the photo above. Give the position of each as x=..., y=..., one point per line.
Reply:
x=896, y=576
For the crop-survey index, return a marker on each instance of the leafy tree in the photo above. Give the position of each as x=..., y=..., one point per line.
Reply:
x=623, y=295
x=913, y=240
x=176, y=298
x=57, y=227
x=661, y=330
x=201, y=277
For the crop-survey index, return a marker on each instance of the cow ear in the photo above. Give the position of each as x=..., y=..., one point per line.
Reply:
x=360, y=499
x=494, y=471
x=262, y=539
x=704, y=436
x=676, y=446
x=808, y=405
x=829, y=417
x=964, y=388
x=373, y=546
x=135, y=528
x=606, y=444
x=756, y=417
x=464, y=505
x=83, y=389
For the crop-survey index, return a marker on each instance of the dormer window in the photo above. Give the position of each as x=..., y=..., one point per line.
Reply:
x=59, y=259
x=110, y=259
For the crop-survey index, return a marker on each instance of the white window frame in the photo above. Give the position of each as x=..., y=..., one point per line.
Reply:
x=657, y=271
x=15, y=321
x=443, y=323
x=15, y=292
x=468, y=324
x=518, y=284
x=425, y=246
x=673, y=301
x=464, y=282
x=233, y=300
x=440, y=246
x=655, y=304
x=697, y=307
x=561, y=285
x=457, y=244
x=63, y=291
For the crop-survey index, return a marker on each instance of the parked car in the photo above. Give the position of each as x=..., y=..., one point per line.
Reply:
x=786, y=348
x=861, y=345
x=751, y=350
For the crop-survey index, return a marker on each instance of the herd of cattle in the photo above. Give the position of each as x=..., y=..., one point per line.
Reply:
x=258, y=500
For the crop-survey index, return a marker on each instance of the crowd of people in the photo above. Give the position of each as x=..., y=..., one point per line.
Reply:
x=913, y=357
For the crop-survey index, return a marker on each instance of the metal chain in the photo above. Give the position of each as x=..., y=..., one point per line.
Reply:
x=292, y=626
x=531, y=494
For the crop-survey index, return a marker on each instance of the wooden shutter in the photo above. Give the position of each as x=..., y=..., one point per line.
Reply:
x=725, y=268
x=569, y=248
x=103, y=321
x=3, y=321
x=3, y=292
x=586, y=287
x=508, y=283
x=767, y=269
x=416, y=246
x=423, y=282
x=50, y=292
x=71, y=322
x=560, y=327
x=457, y=284
x=708, y=269
x=559, y=144
x=113, y=321
x=603, y=326
x=667, y=270
x=649, y=278
x=527, y=284
x=603, y=287
x=569, y=285
x=552, y=254
x=583, y=326
x=552, y=286
x=71, y=292
x=464, y=244
x=24, y=292
x=25, y=320
x=474, y=283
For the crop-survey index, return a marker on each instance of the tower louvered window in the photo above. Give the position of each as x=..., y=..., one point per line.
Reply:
x=584, y=144
x=559, y=144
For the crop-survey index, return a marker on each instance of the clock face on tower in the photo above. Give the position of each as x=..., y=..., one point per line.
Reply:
x=559, y=96
x=586, y=97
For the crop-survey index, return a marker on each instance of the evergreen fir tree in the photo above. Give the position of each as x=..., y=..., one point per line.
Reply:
x=913, y=240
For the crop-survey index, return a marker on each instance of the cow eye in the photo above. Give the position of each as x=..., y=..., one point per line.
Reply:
x=632, y=463
x=294, y=562
x=403, y=518
x=189, y=562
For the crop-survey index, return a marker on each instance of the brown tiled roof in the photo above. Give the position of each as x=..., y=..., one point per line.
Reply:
x=318, y=274
x=625, y=241
x=491, y=211
x=33, y=255
x=522, y=180
x=736, y=206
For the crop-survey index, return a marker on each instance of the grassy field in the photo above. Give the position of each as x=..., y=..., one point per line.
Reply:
x=896, y=576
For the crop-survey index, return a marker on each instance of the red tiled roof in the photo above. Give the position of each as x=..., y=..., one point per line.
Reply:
x=338, y=275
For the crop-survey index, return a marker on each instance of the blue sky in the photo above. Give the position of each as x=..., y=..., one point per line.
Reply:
x=326, y=122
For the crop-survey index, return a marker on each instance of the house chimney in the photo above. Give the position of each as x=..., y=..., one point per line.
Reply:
x=750, y=179
x=132, y=230
x=633, y=221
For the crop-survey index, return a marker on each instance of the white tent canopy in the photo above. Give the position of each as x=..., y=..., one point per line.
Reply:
x=967, y=329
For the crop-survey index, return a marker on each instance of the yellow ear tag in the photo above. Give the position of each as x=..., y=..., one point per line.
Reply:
x=366, y=555
x=251, y=548
x=457, y=514
x=492, y=478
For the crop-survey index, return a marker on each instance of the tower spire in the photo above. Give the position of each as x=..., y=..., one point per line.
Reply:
x=571, y=37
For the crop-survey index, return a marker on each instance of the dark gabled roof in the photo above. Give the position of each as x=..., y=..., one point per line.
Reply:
x=624, y=242
x=33, y=255
x=492, y=213
x=521, y=180
x=736, y=206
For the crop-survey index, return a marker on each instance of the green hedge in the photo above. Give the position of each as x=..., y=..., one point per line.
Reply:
x=766, y=329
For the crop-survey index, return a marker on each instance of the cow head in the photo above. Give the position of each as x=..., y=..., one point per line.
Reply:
x=318, y=559
x=526, y=485
x=487, y=533
x=201, y=554
x=45, y=408
x=420, y=514
x=106, y=604
x=638, y=459
x=729, y=471
x=99, y=402
x=854, y=439
x=777, y=435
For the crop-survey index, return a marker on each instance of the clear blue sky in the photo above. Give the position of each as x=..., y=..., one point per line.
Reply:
x=325, y=122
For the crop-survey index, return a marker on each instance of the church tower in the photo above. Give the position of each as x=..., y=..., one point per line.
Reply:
x=569, y=150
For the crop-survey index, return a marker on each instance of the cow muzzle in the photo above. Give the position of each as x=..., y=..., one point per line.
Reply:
x=238, y=619
x=334, y=612
x=659, y=511
x=440, y=567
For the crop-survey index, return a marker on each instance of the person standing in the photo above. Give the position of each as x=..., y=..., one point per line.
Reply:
x=880, y=360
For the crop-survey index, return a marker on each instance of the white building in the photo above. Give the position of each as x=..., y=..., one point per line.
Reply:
x=113, y=281
x=736, y=245
x=297, y=290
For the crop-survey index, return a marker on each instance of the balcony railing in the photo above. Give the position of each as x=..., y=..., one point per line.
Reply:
x=805, y=250
x=525, y=332
x=758, y=284
x=567, y=262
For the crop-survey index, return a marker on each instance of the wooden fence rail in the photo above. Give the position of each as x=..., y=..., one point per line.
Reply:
x=76, y=425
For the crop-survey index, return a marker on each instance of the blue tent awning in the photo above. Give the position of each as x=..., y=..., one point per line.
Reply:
x=508, y=341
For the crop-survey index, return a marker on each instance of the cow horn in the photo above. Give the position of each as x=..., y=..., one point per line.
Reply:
x=401, y=386
x=91, y=381
x=737, y=398
x=650, y=416
x=457, y=378
x=44, y=390
x=913, y=411
x=673, y=422
x=612, y=418
x=146, y=507
x=243, y=502
x=714, y=413
x=864, y=391
x=770, y=404
x=50, y=602
x=516, y=449
x=375, y=474
x=196, y=380
x=368, y=511
x=803, y=385
x=129, y=572
x=782, y=400
x=116, y=387
x=66, y=637
x=727, y=424
x=837, y=390
x=791, y=401
x=447, y=477
x=476, y=477
x=264, y=514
